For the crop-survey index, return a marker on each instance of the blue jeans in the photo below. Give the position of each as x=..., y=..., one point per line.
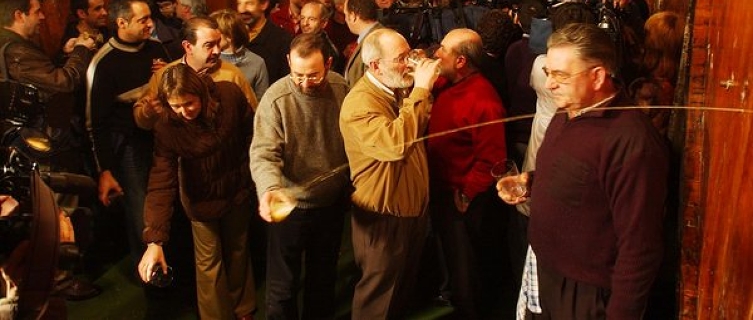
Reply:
x=134, y=160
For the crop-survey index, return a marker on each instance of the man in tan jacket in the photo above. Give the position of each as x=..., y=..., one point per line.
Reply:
x=389, y=171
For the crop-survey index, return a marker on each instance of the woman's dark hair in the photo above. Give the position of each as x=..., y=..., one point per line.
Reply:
x=181, y=79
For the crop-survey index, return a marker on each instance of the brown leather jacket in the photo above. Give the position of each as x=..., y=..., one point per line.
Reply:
x=27, y=63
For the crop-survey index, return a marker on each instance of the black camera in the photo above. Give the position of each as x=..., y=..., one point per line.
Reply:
x=21, y=103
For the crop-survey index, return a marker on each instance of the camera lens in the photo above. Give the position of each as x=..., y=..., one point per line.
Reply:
x=160, y=279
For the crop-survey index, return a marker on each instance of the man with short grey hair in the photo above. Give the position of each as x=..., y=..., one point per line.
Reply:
x=599, y=190
x=187, y=9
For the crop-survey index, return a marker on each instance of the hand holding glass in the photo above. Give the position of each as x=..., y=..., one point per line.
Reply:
x=415, y=56
x=280, y=205
x=513, y=185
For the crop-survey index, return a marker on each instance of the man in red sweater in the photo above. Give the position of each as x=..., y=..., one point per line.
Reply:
x=460, y=162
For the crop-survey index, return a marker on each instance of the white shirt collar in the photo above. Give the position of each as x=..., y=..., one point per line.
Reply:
x=379, y=85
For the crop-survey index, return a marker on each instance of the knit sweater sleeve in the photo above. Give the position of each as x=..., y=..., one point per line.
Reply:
x=100, y=97
x=266, y=151
x=636, y=185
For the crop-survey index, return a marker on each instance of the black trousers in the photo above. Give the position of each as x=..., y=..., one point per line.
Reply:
x=309, y=237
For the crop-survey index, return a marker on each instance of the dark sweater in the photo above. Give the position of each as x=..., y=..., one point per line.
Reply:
x=206, y=159
x=522, y=98
x=118, y=69
x=597, y=204
x=273, y=45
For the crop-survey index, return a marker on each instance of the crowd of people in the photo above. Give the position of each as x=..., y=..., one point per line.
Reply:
x=327, y=107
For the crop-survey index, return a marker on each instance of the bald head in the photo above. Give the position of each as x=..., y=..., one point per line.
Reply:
x=379, y=42
x=460, y=54
x=458, y=37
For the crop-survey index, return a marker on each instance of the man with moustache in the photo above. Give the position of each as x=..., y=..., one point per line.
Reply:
x=380, y=127
x=202, y=46
x=297, y=141
x=122, y=152
x=267, y=40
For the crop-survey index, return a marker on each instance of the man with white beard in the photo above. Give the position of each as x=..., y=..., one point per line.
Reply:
x=390, y=174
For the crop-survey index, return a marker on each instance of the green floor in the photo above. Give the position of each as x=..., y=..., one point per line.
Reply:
x=124, y=298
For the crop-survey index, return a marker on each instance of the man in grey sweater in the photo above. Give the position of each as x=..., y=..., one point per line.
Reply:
x=297, y=157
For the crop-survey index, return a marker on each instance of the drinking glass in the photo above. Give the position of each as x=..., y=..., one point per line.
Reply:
x=508, y=168
x=415, y=56
x=280, y=205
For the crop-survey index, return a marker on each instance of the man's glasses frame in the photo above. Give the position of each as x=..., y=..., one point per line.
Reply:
x=310, y=79
x=562, y=77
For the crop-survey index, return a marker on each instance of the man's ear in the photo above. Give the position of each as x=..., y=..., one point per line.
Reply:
x=81, y=13
x=18, y=15
x=187, y=46
x=287, y=56
x=460, y=62
x=121, y=23
x=600, y=76
x=328, y=63
x=374, y=66
x=324, y=25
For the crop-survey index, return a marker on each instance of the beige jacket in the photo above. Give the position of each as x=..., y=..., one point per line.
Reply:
x=388, y=166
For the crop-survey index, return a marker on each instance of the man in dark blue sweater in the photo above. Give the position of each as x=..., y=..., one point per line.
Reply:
x=115, y=78
x=599, y=191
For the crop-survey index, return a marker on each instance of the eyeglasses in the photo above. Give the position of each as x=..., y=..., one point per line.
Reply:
x=560, y=77
x=402, y=58
x=310, y=79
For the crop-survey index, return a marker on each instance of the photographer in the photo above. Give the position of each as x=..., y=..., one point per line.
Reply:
x=28, y=64
x=26, y=61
